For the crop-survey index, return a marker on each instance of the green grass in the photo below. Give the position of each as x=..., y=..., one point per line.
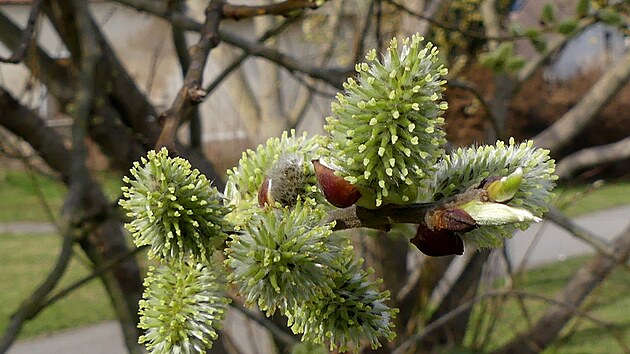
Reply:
x=609, y=302
x=579, y=200
x=26, y=260
x=21, y=197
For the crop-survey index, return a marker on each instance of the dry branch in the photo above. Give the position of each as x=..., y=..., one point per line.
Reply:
x=27, y=35
x=572, y=122
x=191, y=92
x=556, y=317
x=594, y=156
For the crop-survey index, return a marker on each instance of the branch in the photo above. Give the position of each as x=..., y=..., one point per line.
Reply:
x=446, y=26
x=272, y=32
x=96, y=272
x=229, y=11
x=285, y=8
x=191, y=92
x=553, y=46
x=181, y=49
x=355, y=217
x=472, y=88
x=464, y=288
x=275, y=331
x=593, y=156
x=600, y=245
x=587, y=278
x=410, y=342
x=332, y=76
x=27, y=35
x=572, y=122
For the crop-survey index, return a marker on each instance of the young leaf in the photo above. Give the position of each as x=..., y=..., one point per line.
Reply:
x=582, y=8
x=548, y=16
x=567, y=27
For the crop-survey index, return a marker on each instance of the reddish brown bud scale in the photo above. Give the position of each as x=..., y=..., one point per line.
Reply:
x=438, y=243
x=264, y=196
x=451, y=220
x=336, y=189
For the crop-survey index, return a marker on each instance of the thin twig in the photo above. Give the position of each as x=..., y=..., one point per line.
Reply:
x=272, y=32
x=446, y=318
x=275, y=331
x=191, y=92
x=96, y=272
x=27, y=35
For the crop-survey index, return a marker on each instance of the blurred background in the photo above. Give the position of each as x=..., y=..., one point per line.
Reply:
x=552, y=71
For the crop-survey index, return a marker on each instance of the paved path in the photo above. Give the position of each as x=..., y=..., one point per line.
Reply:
x=27, y=227
x=549, y=243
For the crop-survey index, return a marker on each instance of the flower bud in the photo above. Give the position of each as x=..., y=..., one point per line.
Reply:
x=337, y=190
x=264, y=193
x=438, y=243
x=503, y=189
x=451, y=219
x=485, y=213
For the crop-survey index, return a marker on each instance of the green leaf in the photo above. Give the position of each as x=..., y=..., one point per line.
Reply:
x=610, y=17
x=583, y=7
x=567, y=27
x=514, y=63
x=536, y=38
x=547, y=15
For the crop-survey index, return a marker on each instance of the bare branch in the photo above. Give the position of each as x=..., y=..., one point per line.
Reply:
x=572, y=122
x=27, y=35
x=417, y=338
x=235, y=12
x=554, y=319
x=593, y=156
x=284, y=8
x=257, y=317
x=333, y=76
x=272, y=32
x=191, y=92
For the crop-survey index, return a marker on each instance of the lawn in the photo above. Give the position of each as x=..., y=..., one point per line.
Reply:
x=609, y=302
x=22, y=194
x=26, y=260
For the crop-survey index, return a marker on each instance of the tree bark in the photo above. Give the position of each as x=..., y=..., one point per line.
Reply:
x=574, y=121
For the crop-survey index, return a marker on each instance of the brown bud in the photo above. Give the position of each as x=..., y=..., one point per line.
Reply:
x=337, y=190
x=264, y=193
x=438, y=243
x=452, y=219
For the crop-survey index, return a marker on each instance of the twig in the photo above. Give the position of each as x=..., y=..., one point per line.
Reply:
x=588, y=277
x=417, y=338
x=472, y=88
x=284, y=8
x=27, y=35
x=96, y=272
x=593, y=156
x=275, y=331
x=450, y=27
x=272, y=32
x=191, y=91
x=181, y=49
x=333, y=76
